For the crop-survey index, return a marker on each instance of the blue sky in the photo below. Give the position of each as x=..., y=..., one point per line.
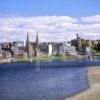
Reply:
x=74, y=8
x=54, y=20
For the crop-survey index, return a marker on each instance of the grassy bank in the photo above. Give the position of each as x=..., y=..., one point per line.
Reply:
x=93, y=93
x=3, y=61
x=37, y=59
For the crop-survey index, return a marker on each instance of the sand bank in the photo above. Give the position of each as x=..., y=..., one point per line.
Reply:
x=93, y=93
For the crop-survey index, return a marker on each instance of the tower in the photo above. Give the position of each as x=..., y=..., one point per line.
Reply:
x=28, y=47
x=37, y=40
x=37, y=46
x=77, y=35
x=78, y=42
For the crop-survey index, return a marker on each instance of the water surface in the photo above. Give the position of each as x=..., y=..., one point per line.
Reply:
x=55, y=80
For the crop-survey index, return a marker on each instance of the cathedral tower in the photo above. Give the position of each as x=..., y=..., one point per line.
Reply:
x=28, y=47
x=37, y=46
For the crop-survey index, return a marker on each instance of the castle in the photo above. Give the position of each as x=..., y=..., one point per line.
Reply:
x=79, y=42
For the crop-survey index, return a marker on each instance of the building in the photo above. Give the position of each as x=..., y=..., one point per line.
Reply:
x=49, y=50
x=37, y=50
x=56, y=48
x=29, y=48
x=81, y=44
x=71, y=50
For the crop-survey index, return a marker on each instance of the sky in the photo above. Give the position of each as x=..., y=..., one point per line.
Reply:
x=54, y=20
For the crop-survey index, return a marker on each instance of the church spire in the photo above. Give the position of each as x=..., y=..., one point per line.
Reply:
x=27, y=39
x=37, y=40
x=37, y=45
x=27, y=47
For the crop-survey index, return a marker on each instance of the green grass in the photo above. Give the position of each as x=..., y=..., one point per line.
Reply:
x=3, y=61
x=53, y=58
x=37, y=59
x=21, y=60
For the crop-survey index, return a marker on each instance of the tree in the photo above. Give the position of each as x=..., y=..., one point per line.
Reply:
x=98, y=47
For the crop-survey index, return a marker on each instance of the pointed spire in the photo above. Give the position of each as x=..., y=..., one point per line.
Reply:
x=37, y=39
x=27, y=44
x=27, y=39
x=37, y=45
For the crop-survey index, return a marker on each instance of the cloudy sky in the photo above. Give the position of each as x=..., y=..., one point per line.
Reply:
x=54, y=20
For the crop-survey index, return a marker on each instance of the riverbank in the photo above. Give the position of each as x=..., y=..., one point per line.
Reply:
x=35, y=59
x=4, y=61
x=93, y=93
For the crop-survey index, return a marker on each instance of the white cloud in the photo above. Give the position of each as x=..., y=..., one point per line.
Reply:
x=95, y=18
x=50, y=28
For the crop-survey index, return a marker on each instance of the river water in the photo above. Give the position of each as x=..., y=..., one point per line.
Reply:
x=51, y=80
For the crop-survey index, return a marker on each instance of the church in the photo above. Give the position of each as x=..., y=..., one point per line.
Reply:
x=32, y=49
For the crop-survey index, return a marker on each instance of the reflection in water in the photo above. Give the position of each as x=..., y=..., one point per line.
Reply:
x=55, y=81
x=37, y=65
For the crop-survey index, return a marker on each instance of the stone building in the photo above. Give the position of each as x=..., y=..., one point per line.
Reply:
x=28, y=48
x=79, y=42
x=32, y=48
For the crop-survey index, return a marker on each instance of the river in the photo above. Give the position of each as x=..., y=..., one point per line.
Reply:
x=51, y=80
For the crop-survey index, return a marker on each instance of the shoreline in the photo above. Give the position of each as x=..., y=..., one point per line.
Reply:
x=2, y=61
x=93, y=92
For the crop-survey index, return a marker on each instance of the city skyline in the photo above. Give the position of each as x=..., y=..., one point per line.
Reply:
x=54, y=20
